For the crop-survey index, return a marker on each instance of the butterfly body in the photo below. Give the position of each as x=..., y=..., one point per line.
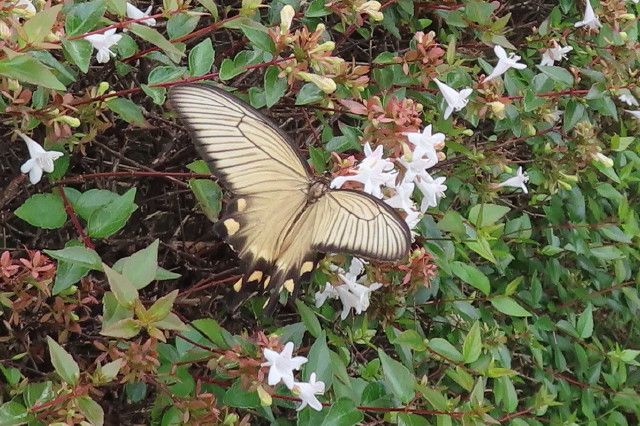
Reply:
x=281, y=216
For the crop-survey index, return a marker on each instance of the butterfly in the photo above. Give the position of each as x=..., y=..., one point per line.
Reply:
x=281, y=217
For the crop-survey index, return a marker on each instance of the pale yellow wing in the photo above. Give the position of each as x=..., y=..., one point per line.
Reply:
x=243, y=148
x=357, y=223
x=257, y=163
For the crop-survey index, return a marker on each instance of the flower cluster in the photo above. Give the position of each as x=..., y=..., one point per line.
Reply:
x=310, y=57
x=353, y=291
x=352, y=12
x=281, y=367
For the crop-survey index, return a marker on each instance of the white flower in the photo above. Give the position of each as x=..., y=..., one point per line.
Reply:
x=102, y=43
x=456, y=100
x=432, y=191
x=282, y=365
x=307, y=393
x=135, y=13
x=590, y=19
x=555, y=54
x=505, y=63
x=373, y=172
x=413, y=219
x=27, y=8
x=625, y=96
x=517, y=181
x=329, y=292
x=402, y=198
x=426, y=144
x=636, y=114
x=40, y=161
x=351, y=293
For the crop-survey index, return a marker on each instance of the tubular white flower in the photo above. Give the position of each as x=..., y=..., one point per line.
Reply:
x=590, y=19
x=282, y=365
x=425, y=143
x=517, y=181
x=555, y=54
x=432, y=191
x=373, y=172
x=307, y=393
x=24, y=8
x=625, y=96
x=402, y=198
x=40, y=160
x=103, y=43
x=456, y=100
x=636, y=114
x=135, y=13
x=505, y=63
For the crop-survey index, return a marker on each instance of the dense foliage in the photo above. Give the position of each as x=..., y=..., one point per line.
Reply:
x=518, y=304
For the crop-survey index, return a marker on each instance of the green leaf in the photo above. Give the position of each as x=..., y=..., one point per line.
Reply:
x=43, y=211
x=472, y=346
x=308, y=94
x=398, y=379
x=229, y=70
x=83, y=17
x=217, y=335
x=162, y=307
x=309, y=318
x=207, y=192
x=510, y=307
x=211, y=7
x=182, y=24
x=446, y=349
x=112, y=217
x=91, y=410
x=78, y=255
x=127, y=110
x=142, y=266
x=471, y=275
x=63, y=362
x=319, y=361
x=67, y=274
x=343, y=412
x=259, y=38
x=123, y=290
x=13, y=413
x=91, y=200
x=79, y=52
x=123, y=329
x=201, y=58
x=236, y=396
x=157, y=39
x=37, y=393
x=557, y=74
x=585, y=323
x=486, y=214
x=40, y=25
x=274, y=86
x=27, y=69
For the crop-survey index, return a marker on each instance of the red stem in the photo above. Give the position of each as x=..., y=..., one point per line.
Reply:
x=74, y=219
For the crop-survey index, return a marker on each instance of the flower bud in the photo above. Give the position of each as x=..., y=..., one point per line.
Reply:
x=467, y=132
x=497, y=108
x=102, y=88
x=286, y=17
x=628, y=16
x=325, y=84
x=603, y=159
x=67, y=119
x=565, y=185
x=5, y=31
x=13, y=85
